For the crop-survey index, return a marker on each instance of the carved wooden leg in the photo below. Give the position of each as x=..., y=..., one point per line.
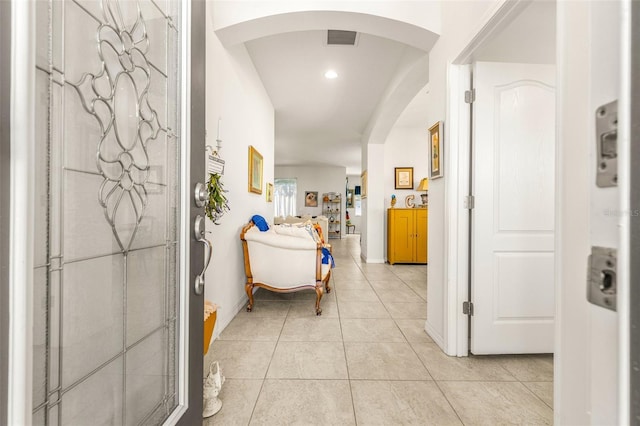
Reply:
x=248, y=287
x=326, y=282
x=319, y=291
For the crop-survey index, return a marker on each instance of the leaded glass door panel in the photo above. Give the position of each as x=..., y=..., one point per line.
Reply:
x=110, y=183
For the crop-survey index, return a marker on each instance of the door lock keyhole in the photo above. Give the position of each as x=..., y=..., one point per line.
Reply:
x=608, y=281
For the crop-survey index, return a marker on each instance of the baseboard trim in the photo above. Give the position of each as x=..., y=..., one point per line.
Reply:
x=371, y=260
x=220, y=326
x=435, y=336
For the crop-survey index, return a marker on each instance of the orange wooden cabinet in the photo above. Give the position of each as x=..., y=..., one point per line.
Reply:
x=407, y=235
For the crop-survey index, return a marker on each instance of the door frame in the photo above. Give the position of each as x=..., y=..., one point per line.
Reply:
x=5, y=186
x=458, y=227
x=22, y=113
x=629, y=404
x=189, y=410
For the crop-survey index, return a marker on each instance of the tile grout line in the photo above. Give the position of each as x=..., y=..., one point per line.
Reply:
x=535, y=394
x=448, y=402
x=436, y=383
x=264, y=379
x=346, y=362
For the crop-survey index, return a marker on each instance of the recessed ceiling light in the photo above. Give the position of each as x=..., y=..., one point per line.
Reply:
x=331, y=74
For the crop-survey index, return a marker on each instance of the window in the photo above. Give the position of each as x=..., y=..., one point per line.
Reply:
x=284, y=197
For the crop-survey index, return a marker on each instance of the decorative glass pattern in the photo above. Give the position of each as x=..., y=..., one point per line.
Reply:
x=117, y=97
x=108, y=167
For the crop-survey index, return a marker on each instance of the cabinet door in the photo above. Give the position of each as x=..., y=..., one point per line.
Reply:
x=403, y=230
x=421, y=235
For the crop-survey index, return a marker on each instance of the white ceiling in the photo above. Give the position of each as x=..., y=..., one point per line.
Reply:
x=321, y=121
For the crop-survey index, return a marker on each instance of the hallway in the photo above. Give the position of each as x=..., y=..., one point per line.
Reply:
x=366, y=360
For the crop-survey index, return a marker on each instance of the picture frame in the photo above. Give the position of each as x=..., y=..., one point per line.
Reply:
x=269, y=192
x=404, y=178
x=255, y=170
x=363, y=185
x=350, y=198
x=436, y=153
x=311, y=198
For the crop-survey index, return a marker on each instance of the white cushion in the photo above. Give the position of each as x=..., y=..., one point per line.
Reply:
x=273, y=239
x=294, y=230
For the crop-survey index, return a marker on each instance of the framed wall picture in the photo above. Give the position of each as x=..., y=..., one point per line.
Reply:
x=350, y=197
x=435, y=149
x=363, y=185
x=404, y=177
x=255, y=171
x=269, y=193
x=311, y=199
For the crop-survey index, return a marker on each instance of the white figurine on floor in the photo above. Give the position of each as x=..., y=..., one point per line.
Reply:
x=211, y=389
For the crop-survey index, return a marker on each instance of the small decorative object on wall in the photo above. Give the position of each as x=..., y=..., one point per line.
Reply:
x=215, y=165
x=350, y=198
x=269, y=193
x=408, y=201
x=218, y=204
x=255, y=171
x=363, y=184
x=311, y=199
x=404, y=177
x=436, y=133
x=393, y=200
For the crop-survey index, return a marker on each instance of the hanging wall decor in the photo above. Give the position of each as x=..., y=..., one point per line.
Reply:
x=255, y=171
x=269, y=193
x=363, y=185
x=435, y=150
x=404, y=177
x=311, y=199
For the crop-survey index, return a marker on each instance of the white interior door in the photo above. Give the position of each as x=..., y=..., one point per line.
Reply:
x=513, y=224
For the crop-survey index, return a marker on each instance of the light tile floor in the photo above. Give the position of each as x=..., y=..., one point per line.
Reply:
x=366, y=359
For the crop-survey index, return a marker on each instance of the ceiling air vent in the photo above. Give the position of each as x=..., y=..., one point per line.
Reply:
x=340, y=37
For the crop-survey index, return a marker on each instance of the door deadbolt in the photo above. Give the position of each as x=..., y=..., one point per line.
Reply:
x=602, y=286
x=200, y=194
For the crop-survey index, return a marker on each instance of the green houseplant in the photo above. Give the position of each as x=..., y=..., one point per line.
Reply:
x=218, y=203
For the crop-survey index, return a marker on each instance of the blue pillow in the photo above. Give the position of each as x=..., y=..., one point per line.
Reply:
x=260, y=222
x=327, y=259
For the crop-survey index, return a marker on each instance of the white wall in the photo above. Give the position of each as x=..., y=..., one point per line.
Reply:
x=460, y=21
x=322, y=179
x=236, y=95
x=373, y=208
x=404, y=147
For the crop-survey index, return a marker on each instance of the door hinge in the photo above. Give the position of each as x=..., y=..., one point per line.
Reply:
x=469, y=96
x=469, y=202
x=467, y=308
